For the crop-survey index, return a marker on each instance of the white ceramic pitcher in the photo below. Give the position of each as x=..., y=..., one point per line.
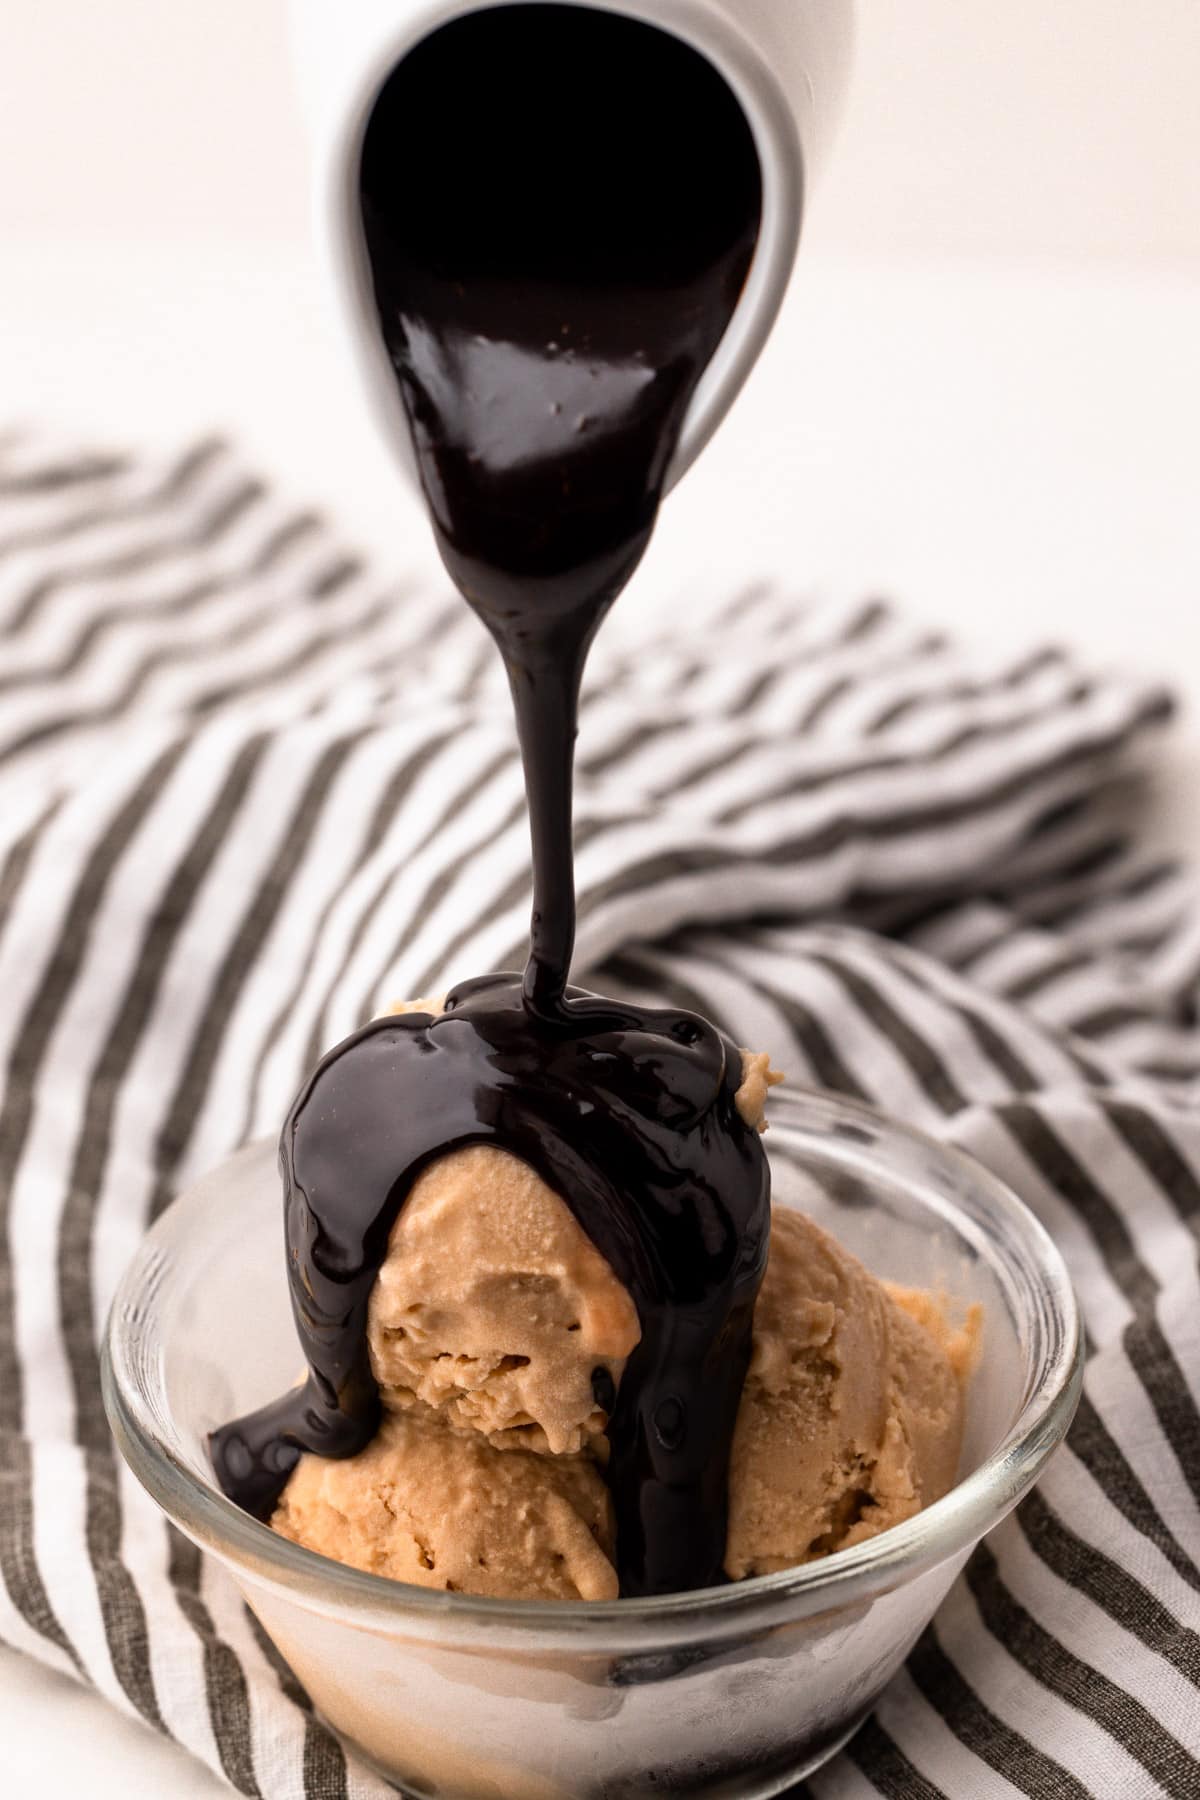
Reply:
x=785, y=60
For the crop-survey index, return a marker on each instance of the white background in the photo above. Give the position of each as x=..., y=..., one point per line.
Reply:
x=983, y=398
x=1033, y=128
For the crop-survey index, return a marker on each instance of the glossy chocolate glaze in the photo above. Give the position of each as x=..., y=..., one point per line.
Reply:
x=630, y=1115
x=560, y=206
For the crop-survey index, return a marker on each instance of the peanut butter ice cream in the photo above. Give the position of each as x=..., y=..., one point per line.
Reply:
x=495, y=1310
x=498, y=1335
x=442, y=1509
x=851, y=1416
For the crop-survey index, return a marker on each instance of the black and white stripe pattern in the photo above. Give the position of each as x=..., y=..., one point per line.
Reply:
x=250, y=791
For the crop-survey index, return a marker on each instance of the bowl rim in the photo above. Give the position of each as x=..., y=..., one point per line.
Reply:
x=953, y=1524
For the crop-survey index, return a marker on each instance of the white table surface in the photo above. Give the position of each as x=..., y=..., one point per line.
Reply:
x=1014, y=454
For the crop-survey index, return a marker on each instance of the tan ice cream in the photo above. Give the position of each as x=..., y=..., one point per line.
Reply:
x=443, y=1509
x=488, y=1321
x=493, y=1307
x=851, y=1416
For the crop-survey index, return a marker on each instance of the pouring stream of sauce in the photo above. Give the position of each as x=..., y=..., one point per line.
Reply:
x=560, y=207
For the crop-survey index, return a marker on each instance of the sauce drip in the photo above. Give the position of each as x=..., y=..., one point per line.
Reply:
x=560, y=207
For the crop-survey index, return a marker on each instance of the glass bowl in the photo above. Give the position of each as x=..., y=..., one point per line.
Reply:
x=733, y=1691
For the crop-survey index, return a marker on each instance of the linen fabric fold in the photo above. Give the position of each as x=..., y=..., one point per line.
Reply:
x=251, y=789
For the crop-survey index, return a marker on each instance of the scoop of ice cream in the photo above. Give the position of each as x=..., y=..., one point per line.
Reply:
x=498, y=1336
x=850, y=1421
x=494, y=1308
x=851, y=1416
x=443, y=1509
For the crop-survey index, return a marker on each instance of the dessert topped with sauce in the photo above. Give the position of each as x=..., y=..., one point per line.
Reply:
x=555, y=1344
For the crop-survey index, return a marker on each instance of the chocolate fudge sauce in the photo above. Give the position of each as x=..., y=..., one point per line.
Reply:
x=560, y=207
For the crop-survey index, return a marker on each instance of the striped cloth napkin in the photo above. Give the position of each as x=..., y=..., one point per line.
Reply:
x=250, y=791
